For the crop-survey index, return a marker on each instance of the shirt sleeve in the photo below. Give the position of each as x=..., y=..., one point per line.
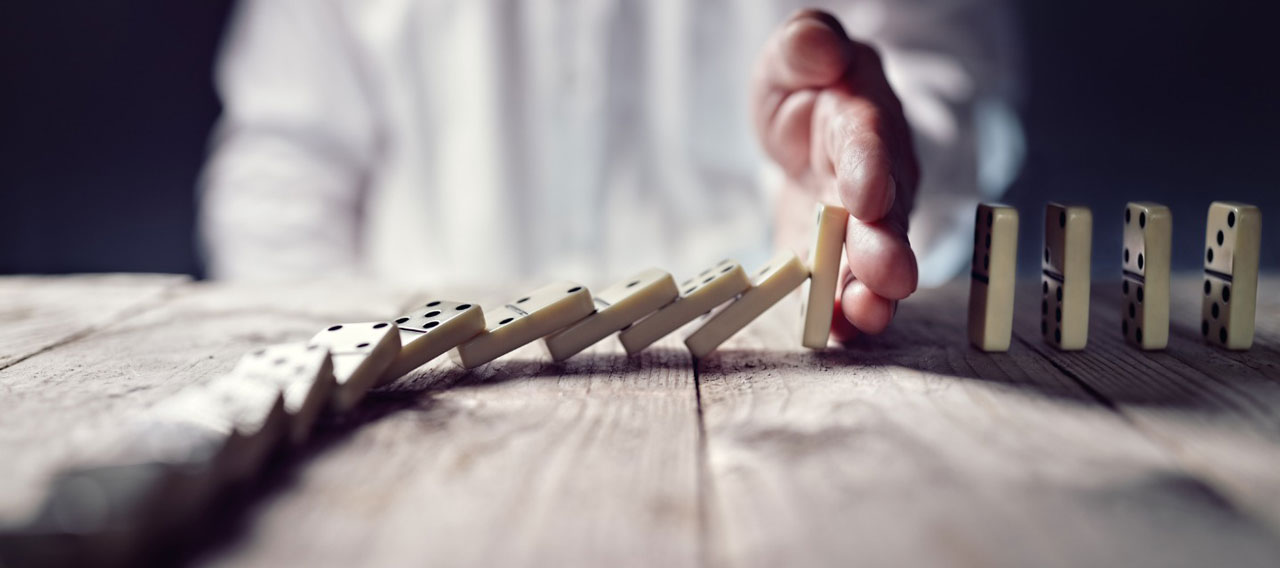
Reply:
x=281, y=190
x=953, y=64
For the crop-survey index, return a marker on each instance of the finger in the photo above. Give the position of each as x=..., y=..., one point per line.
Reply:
x=866, y=310
x=880, y=256
x=852, y=142
x=809, y=51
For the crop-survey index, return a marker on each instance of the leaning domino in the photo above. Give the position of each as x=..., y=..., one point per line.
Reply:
x=782, y=274
x=523, y=321
x=427, y=333
x=818, y=299
x=698, y=295
x=361, y=353
x=617, y=306
x=304, y=375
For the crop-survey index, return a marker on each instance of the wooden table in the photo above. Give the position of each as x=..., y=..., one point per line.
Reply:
x=907, y=449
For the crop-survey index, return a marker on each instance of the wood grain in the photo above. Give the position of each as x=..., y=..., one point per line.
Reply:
x=523, y=462
x=60, y=403
x=912, y=449
x=39, y=312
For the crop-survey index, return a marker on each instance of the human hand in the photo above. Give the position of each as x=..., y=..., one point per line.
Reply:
x=826, y=114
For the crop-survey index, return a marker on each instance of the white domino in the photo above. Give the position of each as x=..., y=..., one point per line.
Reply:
x=304, y=375
x=524, y=321
x=995, y=259
x=1068, y=246
x=1233, y=236
x=430, y=331
x=617, y=306
x=698, y=295
x=361, y=353
x=1148, y=240
x=818, y=300
x=782, y=274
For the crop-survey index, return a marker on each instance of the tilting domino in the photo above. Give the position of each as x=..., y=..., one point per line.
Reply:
x=304, y=375
x=427, y=333
x=361, y=353
x=617, y=306
x=1233, y=236
x=525, y=320
x=1148, y=242
x=818, y=298
x=995, y=264
x=1064, y=309
x=698, y=295
x=782, y=274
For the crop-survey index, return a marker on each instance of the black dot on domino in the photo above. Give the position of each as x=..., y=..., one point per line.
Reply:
x=522, y=300
x=431, y=314
x=1226, y=293
x=1139, y=294
x=1128, y=214
x=764, y=270
x=433, y=303
x=690, y=290
x=1231, y=219
x=709, y=279
x=1057, y=315
x=1207, y=287
x=463, y=307
x=362, y=345
x=401, y=320
x=335, y=328
x=379, y=325
x=633, y=284
x=574, y=289
x=1140, y=261
x=1221, y=237
x=1208, y=255
x=430, y=324
x=1213, y=310
x=1045, y=286
x=1142, y=223
x=505, y=321
x=1059, y=293
x=726, y=270
x=1126, y=254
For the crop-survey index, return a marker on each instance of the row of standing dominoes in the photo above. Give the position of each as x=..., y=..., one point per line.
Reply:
x=179, y=455
x=1232, y=241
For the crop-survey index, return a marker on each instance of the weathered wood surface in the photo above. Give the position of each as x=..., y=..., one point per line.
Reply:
x=905, y=449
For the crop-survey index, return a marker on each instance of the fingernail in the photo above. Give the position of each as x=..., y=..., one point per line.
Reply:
x=890, y=194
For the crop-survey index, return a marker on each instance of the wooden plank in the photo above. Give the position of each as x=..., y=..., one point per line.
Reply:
x=40, y=312
x=913, y=449
x=1218, y=412
x=60, y=403
x=522, y=462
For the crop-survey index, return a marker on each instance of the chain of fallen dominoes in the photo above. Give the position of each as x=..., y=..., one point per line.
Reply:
x=178, y=457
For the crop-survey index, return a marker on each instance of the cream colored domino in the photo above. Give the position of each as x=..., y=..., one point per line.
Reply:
x=361, y=352
x=995, y=264
x=779, y=277
x=523, y=321
x=1148, y=242
x=426, y=333
x=1068, y=242
x=698, y=295
x=617, y=306
x=1233, y=237
x=248, y=415
x=819, y=297
x=304, y=375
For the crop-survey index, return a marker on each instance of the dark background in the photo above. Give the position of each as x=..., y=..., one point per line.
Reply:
x=105, y=111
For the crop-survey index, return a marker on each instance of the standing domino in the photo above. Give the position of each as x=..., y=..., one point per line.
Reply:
x=361, y=353
x=995, y=263
x=1232, y=237
x=302, y=372
x=540, y=313
x=617, y=306
x=778, y=278
x=818, y=300
x=1148, y=238
x=698, y=295
x=1068, y=243
x=427, y=333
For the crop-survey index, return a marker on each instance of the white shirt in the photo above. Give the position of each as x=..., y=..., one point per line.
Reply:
x=438, y=141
